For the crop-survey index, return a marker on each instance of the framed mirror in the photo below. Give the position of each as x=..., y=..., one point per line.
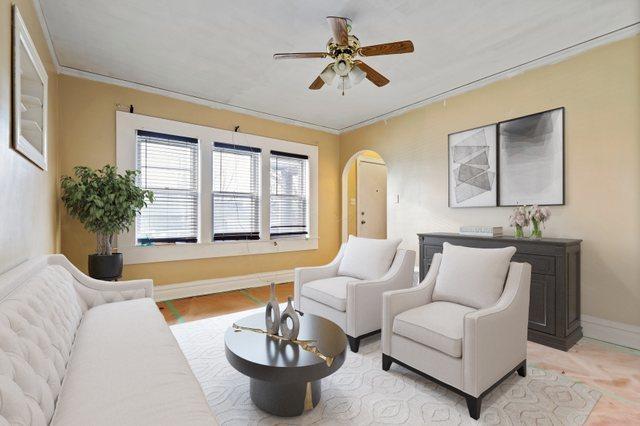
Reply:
x=29, y=96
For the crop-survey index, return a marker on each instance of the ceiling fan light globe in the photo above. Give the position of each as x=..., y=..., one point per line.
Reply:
x=328, y=75
x=356, y=75
x=342, y=67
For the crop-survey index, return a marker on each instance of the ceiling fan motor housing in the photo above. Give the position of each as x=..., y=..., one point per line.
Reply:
x=350, y=49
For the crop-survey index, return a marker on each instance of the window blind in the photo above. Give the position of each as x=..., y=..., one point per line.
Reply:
x=289, y=194
x=168, y=166
x=236, y=192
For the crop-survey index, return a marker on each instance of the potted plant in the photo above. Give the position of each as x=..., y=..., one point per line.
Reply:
x=106, y=203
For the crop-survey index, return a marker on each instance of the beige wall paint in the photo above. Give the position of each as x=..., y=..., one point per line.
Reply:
x=88, y=138
x=600, y=90
x=29, y=224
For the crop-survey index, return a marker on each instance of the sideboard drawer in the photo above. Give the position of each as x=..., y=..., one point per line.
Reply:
x=545, y=265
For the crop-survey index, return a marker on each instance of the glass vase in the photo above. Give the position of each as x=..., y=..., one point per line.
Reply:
x=536, y=232
x=519, y=233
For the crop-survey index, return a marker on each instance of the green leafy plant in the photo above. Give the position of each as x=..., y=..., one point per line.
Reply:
x=105, y=202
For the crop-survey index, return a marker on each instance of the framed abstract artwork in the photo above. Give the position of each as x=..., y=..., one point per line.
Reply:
x=473, y=167
x=531, y=159
x=29, y=96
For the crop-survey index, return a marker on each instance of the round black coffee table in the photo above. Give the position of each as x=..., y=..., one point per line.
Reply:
x=284, y=378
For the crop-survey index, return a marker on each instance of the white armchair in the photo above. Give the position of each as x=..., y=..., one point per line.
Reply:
x=467, y=349
x=349, y=291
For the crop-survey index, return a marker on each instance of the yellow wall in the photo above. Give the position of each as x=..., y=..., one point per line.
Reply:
x=600, y=90
x=29, y=223
x=352, y=190
x=87, y=123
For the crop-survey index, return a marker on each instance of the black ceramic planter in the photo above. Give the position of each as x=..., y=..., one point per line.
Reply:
x=105, y=267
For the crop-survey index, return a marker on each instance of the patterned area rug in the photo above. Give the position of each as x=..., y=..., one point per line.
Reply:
x=360, y=392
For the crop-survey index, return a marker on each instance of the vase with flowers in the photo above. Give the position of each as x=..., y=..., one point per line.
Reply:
x=539, y=215
x=519, y=219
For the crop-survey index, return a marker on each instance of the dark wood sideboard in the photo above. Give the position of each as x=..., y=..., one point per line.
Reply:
x=554, y=307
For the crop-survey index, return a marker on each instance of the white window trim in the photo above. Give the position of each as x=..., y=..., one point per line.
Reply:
x=126, y=126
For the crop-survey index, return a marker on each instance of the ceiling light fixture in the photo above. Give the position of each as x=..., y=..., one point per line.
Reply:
x=343, y=48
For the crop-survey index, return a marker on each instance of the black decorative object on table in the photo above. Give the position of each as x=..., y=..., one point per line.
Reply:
x=285, y=379
x=554, y=306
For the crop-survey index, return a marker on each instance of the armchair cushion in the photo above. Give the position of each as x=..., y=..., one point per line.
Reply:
x=329, y=291
x=438, y=325
x=368, y=258
x=471, y=276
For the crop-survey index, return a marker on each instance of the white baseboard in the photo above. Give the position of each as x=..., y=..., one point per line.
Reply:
x=611, y=331
x=218, y=285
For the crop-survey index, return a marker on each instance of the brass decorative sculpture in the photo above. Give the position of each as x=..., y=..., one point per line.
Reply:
x=306, y=345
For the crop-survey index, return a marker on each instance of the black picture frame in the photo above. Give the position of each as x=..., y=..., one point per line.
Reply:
x=500, y=141
x=449, y=182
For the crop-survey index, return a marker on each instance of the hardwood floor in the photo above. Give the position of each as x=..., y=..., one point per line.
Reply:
x=211, y=305
x=613, y=370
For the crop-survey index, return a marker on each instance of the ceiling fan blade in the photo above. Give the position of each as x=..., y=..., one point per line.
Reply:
x=301, y=55
x=394, y=48
x=317, y=84
x=319, y=81
x=372, y=75
x=339, y=31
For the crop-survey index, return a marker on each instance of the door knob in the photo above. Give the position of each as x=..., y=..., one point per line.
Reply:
x=363, y=222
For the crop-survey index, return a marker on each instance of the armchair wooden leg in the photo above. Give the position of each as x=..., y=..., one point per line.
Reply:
x=474, y=405
x=386, y=362
x=522, y=370
x=354, y=343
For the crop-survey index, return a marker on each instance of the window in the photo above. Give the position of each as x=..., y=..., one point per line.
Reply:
x=289, y=189
x=236, y=192
x=217, y=192
x=168, y=166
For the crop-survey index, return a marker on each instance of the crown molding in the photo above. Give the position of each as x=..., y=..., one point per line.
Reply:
x=193, y=99
x=47, y=35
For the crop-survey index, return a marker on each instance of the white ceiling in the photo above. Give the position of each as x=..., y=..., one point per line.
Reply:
x=222, y=50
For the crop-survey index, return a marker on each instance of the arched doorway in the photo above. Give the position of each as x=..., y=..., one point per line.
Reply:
x=364, y=196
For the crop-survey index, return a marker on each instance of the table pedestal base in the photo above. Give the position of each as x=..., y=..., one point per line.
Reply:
x=285, y=399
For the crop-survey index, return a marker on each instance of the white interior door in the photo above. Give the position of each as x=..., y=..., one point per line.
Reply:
x=371, y=199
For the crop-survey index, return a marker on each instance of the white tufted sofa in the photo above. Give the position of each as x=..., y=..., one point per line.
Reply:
x=78, y=351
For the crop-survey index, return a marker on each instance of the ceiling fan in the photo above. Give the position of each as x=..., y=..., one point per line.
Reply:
x=343, y=48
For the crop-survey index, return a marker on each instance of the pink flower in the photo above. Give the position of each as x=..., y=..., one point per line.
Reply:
x=520, y=217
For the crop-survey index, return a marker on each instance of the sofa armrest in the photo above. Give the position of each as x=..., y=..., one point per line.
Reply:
x=396, y=302
x=495, y=338
x=96, y=292
x=312, y=273
x=364, y=298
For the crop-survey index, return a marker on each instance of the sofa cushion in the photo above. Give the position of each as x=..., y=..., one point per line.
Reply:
x=126, y=369
x=329, y=291
x=368, y=258
x=471, y=276
x=38, y=321
x=439, y=325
